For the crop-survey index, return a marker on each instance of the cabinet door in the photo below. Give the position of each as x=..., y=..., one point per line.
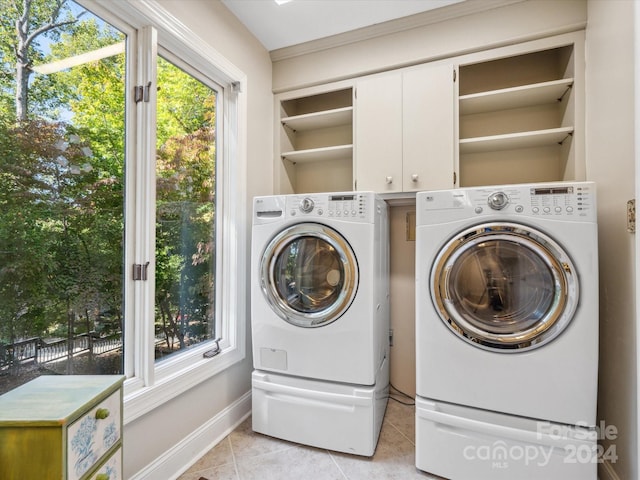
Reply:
x=378, y=133
x=428, y=128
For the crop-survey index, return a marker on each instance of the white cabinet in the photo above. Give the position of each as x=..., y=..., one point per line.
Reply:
x=378, y=133
x=315, y=140
x=519, y=116
x=405, y=130
x=513, y=114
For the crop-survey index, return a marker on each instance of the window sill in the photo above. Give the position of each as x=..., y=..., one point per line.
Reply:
x=140, y=400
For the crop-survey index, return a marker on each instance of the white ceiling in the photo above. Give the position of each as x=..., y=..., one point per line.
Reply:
x=298, y=21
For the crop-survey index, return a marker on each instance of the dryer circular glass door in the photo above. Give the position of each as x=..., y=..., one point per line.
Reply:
x=309, y=274
x=504, y=287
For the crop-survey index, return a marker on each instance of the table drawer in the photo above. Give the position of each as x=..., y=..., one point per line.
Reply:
x=91, y=436
x=112, y=468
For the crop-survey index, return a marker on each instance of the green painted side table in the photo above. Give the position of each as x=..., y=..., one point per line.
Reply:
x=66, y=427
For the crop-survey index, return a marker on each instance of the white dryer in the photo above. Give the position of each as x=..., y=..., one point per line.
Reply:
x=320, y=317
x=507, y=332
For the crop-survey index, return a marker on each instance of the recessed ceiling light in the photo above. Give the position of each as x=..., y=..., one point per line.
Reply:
x=281, y=2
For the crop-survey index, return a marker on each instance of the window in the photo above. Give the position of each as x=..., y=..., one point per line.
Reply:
x=122, y=188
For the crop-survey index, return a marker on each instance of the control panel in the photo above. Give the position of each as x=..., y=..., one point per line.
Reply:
x=339, y=205
x=546, y=200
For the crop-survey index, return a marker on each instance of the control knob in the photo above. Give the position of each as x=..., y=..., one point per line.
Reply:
x=306, y=205
x=498, y=200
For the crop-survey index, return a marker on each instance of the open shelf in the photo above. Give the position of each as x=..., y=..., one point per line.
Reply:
x=319, y=154
x=512, y=141
x=515, y=97
x=315, y=140
x=319, y=120
x=518, y=119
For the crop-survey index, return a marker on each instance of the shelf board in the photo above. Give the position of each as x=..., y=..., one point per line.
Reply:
x=319, y=154
x=318, y=120
x=513, y=141
x=515, y=97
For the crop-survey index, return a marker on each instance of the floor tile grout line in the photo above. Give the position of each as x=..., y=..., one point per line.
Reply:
x=233, y=456
x=411, y=441
x=336, y=464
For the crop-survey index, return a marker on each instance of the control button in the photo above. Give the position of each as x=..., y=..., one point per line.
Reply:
x=479, y=209
x=519, y=208
x=293, y=213
x=498, y=200
x=306, y=205
x=346, y=212
x=546, y=209
x=320, y=211
x=558, y=209
x=569, y=209
x=353, y=212
x=535, y=209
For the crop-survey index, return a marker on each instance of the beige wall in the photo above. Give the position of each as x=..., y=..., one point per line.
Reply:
x=526, y=20
x=149, y=437
x=610, y=135
x=403, y=299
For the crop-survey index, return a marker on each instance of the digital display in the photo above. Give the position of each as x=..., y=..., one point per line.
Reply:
x=552, y=191
x=342, y=198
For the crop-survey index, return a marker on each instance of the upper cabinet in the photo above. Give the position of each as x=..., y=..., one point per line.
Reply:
x=513, y=114
x=404, y=130
x=315, y=130
x=518, y=120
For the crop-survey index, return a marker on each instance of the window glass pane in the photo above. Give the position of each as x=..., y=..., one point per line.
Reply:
x=185, y=211
x=61, y=192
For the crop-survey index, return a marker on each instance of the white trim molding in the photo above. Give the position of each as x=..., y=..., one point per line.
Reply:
x=175, y=461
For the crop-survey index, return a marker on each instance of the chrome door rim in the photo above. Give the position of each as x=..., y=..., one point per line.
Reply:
x=268, y=282
x=552, y=255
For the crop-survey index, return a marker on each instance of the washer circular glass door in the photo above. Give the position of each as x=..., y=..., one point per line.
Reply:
x=309, y=274
x=504, y=286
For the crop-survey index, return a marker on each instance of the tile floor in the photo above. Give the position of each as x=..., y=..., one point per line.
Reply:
x=246, y=455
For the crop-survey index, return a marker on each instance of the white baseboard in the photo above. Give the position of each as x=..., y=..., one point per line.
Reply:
x=606, y=471
x=174, y=462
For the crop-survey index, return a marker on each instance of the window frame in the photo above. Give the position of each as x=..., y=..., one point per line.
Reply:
x=149, y=28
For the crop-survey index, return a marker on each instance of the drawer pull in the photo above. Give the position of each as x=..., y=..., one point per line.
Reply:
x=102, y=413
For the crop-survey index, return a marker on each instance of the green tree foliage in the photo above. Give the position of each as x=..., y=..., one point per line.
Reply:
x=185, y=206
x=62, y=173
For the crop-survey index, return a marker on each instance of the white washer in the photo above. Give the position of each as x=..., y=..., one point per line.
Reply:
x=320, y=314
x=507, y=331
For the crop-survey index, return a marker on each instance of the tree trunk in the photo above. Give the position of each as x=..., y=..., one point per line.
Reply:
x=24, y=40
x=23, y=70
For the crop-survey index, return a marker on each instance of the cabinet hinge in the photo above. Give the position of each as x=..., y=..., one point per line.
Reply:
x=140, y=271
x=141, y=93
